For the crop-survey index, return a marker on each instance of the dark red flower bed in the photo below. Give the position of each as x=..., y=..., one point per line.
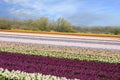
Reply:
x=70, y=69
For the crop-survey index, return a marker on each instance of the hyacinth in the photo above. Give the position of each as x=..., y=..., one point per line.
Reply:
x=35, y=62
x=62, y=52
x=20, y=75
x=70, y=69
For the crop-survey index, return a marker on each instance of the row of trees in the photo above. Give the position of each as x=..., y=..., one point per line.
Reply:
x=41, y=24
x=98, y=29
x=60, y=25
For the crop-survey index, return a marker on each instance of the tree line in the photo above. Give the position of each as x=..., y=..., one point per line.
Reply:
x=59, y=25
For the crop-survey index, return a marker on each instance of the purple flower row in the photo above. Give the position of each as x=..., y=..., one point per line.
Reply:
x=60, y=67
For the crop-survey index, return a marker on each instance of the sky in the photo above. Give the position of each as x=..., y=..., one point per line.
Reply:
x=77, y=12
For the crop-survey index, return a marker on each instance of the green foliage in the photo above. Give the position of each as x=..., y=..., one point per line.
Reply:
x=63, y=25
x=42, y=24
x=15, y=24
x=60, y=25
x=98, y=29
x=4, y=78
x=4, y=23
x=115, y=31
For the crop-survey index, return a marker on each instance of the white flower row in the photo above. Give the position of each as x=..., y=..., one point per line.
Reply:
x=27, y=76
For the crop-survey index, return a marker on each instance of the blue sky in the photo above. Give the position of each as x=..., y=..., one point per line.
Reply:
x=77, y=12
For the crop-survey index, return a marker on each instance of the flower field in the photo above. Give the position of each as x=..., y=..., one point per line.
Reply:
x=62, y=52
x=63, y=33
x=34, y=62
x=59, y=67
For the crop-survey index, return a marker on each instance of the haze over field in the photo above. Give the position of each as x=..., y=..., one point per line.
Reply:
x=77, y=12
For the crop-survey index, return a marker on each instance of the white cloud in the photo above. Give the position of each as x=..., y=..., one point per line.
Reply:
x=79, y=12
x=22, y=13
x=16, y=1
x=44, y=7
